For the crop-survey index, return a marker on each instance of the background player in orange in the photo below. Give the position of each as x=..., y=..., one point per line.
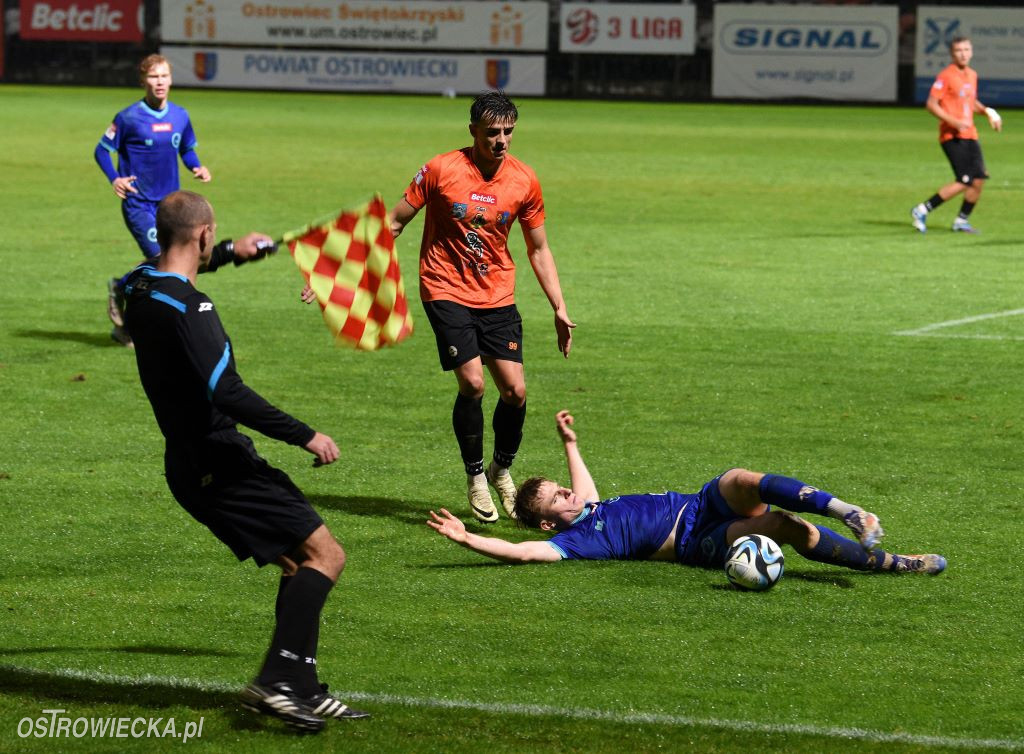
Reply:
x=954, y=101
x=467, y=284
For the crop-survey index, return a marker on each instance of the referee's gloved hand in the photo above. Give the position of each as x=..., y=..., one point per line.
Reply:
x=323, y=448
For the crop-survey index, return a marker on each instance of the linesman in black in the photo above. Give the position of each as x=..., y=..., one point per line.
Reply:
x=188, y=371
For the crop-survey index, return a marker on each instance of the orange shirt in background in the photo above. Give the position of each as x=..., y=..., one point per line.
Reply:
x=464, y=256
x=957, y=91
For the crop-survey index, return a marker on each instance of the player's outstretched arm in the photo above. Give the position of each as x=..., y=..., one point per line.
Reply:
x=543, y=263
x=579, y=475
x=451, y=527
x=401, y=215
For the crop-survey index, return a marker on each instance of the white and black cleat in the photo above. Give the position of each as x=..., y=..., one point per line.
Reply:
x=278, y=700
x=480, y=501
x=327, y=706
x=504, y=486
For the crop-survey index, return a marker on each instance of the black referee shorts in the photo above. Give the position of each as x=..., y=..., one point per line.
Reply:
x=965, y=158
x=463, y=333
x=249, y=505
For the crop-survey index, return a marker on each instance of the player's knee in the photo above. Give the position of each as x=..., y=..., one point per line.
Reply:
x=332, y=560
x=514, y=395
x=472, y=386
x=746, y=480
x=740, y=488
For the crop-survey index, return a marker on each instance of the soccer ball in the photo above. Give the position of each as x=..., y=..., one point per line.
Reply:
x=754, y=562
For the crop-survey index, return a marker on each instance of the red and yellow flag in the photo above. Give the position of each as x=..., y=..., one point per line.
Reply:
x=351, y=265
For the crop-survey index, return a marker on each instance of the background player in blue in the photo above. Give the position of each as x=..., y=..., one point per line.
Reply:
x=147, y=137
x=187, y=369
x=695, y=529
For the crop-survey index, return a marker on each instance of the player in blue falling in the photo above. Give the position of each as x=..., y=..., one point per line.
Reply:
x=148, y=137
x=695, y=529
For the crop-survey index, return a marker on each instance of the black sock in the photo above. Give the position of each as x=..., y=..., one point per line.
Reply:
x=282, y=587
x=966, y=208
x=508, y=432
x=299, y=605
x=468, y=423
x=310, y=645
x=934, y=202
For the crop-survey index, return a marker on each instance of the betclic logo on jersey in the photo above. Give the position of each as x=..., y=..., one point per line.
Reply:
x=83, y=20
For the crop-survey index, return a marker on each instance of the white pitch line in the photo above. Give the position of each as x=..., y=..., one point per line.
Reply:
x=543, y=710
x=965, y=321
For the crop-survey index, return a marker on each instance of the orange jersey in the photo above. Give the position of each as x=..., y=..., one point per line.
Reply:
x=956, y=91
x=464, y=255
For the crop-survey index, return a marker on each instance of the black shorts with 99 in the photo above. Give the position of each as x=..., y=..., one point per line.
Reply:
x=463, y=333
x=246, y=503
x=964, y=156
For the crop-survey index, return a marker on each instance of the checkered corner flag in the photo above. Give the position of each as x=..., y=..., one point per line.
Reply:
x=351, y=265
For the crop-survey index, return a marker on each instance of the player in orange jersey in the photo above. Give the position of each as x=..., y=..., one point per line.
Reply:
x=467, y=284
x=954, y=101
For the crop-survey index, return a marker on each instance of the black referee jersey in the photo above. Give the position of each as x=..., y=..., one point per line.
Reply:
x=187, y=367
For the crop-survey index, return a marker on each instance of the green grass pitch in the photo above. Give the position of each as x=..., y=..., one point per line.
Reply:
x=741, y=277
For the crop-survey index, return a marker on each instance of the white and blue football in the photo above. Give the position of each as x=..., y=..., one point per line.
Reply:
x=754, y=562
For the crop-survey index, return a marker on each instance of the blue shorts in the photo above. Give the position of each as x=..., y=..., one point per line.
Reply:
x=140, y=217
x=704, y=545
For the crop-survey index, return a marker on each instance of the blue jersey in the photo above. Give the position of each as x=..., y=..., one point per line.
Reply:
x=630, y=527
x=148, y=143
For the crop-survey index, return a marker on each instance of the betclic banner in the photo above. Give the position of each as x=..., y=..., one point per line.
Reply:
x=838, y=52
x=353, y=71
x=634, y=29
x=395, y=24
x=997, y=38
x=82, y=20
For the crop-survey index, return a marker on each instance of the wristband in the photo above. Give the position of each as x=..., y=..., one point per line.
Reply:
x=991, y=113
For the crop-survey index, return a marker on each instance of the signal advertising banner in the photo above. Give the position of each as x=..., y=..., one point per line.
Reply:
x=262, y=68
x=997, y=37
x=838, y=52
x=397, y=24
x=82, y=20
x=627, y=28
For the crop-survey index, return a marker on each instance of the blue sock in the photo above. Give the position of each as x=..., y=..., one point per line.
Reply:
x=838, y=550
x=793, y=495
